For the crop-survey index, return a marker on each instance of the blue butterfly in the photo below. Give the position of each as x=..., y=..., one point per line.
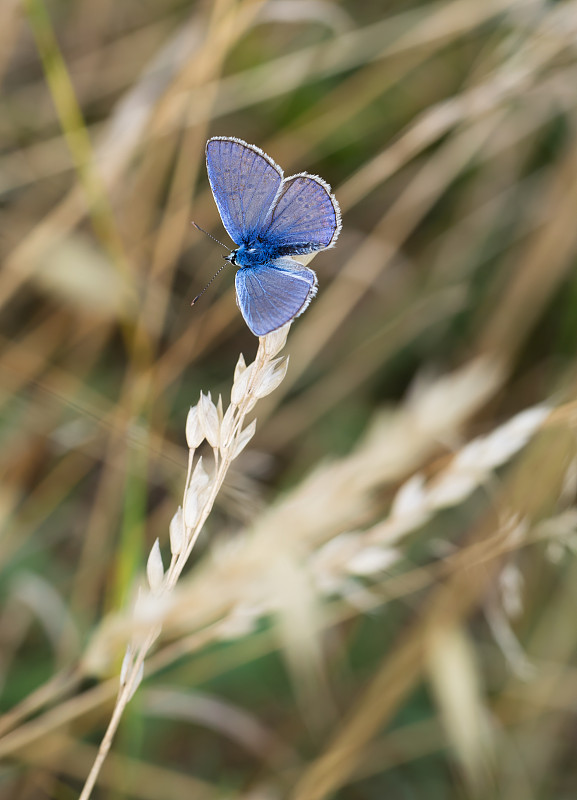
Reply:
x=270, y=218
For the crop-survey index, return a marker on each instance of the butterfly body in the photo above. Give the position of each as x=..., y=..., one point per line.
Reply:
x=270, y=218
x=253, y=254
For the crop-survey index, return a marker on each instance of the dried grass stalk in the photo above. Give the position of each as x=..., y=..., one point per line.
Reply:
x=227, y=435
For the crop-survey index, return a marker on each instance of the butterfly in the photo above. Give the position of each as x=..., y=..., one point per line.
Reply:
x=270, y=218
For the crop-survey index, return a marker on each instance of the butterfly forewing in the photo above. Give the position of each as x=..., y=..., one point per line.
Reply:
x=305, y=217
x=244, y=182
x=271, y=295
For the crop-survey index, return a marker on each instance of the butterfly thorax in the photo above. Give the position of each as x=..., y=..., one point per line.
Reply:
x=253, y=254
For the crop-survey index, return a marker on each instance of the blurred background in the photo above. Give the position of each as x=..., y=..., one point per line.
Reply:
x=383, y=602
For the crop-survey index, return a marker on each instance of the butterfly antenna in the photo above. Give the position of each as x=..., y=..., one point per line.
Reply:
x=210, y=236
x=210, y=281
x=227, y=260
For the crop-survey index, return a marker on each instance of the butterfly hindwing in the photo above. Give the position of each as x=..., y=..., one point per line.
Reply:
x=244, y=182
x=271, y=295
x=305, y=216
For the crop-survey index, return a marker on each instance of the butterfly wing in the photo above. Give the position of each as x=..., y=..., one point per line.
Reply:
x=271, y=295
x=244, y=182
x=305, y=216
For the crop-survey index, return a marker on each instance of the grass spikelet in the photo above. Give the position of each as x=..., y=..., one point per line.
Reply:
x=205, y=421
